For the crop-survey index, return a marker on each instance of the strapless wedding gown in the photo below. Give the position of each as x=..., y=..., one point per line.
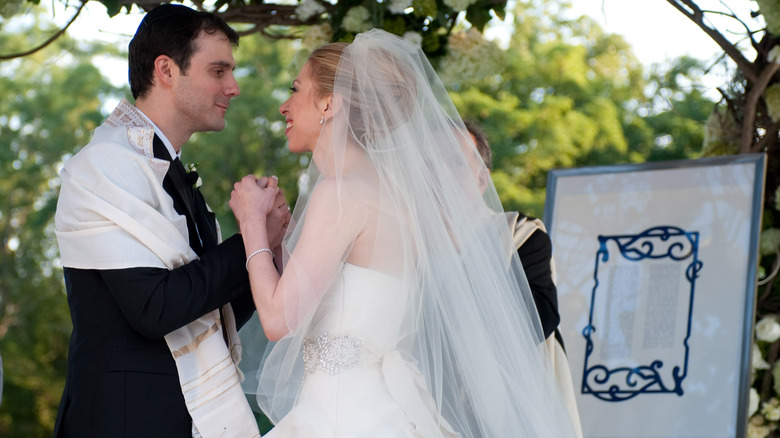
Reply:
x=357, y=384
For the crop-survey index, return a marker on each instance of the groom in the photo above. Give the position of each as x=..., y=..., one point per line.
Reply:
x=155, y=298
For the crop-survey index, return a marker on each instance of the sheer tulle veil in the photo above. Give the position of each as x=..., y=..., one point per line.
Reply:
x=468, y=323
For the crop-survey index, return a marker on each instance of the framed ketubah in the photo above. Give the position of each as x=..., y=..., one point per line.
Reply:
x=656, y=268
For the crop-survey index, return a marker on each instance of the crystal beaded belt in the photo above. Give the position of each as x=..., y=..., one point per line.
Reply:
x=331, y=355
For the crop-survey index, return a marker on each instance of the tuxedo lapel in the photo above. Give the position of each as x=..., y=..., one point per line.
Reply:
x=189, y=202
x=205, y=219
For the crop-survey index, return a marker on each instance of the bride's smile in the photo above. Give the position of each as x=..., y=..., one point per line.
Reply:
x=304, y=112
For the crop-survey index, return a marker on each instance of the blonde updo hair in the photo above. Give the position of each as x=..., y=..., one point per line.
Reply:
x=323, y=63
x=394, y=75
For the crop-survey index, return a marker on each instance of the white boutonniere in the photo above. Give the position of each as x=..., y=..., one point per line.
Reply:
x=193, y=167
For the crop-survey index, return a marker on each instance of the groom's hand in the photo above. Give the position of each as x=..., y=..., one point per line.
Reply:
x=262, y=182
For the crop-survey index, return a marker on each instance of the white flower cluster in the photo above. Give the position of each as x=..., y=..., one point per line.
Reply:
x=193, y=167
x=771, y=409
x=459, y=5
x=757, y=428
x=757, y=360
x=768, y=329
x=316, y=36
x=308, y=9
x=760, y=426
x=777, y=198
x=753, y=402
x=772, y=99
x=413, y=37
x=770, y=9
x=769, y=242
x=774, y=54
x=357, y=20
x=764, y=416
x=469, y=57
x=399, y=6
x=721, y=134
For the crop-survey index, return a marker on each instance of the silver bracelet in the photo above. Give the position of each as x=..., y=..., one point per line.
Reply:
x=268, y=250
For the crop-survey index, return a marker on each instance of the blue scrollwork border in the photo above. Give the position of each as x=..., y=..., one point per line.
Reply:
x=628, y=382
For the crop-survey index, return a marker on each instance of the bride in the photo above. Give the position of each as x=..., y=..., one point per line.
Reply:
x=401, y=309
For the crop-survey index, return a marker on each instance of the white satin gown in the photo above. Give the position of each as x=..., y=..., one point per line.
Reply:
x=357, y=384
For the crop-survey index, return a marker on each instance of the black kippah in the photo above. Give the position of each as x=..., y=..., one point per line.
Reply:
x=167, y=10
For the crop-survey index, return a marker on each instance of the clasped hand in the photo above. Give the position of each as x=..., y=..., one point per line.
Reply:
x=257, y=201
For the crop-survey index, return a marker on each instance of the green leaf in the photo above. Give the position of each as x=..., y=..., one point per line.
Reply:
x=424, y=8
x=478, y=16
x=500, y=11
x=394, y=24
x=113, y=7
x=431, y=43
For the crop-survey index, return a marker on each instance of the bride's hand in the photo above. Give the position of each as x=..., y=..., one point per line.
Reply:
x=250, y=202
x=277, y=220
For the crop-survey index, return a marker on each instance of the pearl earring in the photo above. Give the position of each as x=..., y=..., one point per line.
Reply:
x=322, y=120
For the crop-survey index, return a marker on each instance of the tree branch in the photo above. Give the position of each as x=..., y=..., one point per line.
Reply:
x=695, y=14
x=751, y=102
x=766, y=383
x=264, y=15
x=766, y=142
x=261, y=15
x=48, y=41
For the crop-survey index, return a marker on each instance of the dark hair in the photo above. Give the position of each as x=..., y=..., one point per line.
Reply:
x=480, y=139
x=169, y=30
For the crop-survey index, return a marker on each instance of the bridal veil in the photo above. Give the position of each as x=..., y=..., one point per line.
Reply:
x=468, y=322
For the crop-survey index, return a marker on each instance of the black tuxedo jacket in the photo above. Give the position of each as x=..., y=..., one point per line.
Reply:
x=535, y=255
x=121, y=378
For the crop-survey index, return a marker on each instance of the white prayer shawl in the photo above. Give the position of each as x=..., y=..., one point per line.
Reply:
x=113, y=213
x=522, y=228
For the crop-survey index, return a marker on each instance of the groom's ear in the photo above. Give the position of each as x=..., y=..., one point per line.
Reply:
x=163, y=69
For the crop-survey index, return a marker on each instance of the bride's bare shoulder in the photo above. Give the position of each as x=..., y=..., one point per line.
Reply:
x=347, y=196
x=350, y=189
